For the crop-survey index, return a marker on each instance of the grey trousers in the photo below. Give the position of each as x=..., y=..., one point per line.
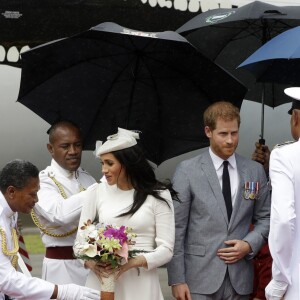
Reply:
x=225, y=292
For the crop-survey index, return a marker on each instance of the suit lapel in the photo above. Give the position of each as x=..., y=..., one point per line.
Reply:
x=210, y=172
x=241, y=167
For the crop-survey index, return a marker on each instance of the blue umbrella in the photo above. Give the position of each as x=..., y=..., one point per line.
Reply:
x=277, y=60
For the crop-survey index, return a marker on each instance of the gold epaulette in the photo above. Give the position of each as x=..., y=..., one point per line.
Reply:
x=283, y=144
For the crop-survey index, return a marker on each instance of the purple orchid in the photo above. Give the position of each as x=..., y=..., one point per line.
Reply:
x=117, y=233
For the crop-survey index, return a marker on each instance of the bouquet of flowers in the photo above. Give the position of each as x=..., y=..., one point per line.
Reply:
x=107, y=244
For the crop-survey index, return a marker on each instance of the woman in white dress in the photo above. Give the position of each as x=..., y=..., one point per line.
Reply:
x=133, y=197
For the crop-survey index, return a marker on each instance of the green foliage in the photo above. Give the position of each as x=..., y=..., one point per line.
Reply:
x=34, y=244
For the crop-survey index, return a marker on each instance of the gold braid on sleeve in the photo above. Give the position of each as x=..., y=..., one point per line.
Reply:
x=37, y=222
x=14, y=251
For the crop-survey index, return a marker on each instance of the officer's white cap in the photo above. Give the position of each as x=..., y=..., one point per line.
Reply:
x=293, y=92
x=121, y=140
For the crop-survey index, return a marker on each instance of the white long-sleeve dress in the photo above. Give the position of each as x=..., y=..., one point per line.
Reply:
x=154, y=225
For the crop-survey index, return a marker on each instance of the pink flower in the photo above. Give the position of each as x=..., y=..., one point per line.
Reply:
x=123, y=252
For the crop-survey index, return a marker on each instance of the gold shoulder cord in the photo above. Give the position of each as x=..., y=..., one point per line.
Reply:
x=15, y=250
x=37, y=222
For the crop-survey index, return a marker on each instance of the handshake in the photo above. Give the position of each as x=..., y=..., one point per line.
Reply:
x=76, y=292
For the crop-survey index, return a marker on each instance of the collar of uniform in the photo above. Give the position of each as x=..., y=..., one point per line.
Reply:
x=56, y=168
x=6, y=208
x=218, y=161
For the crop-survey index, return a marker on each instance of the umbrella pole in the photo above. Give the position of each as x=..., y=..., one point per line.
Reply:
x=262, y=140
x=264, y=40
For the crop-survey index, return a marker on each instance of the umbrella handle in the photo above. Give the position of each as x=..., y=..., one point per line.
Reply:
x=262, y=141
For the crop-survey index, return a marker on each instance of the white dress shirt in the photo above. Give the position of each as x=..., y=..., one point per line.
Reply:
x=232, y=169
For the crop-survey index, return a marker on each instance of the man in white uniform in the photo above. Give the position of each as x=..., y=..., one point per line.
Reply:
x=284, y=237
x=19, y=184
x=58, y=210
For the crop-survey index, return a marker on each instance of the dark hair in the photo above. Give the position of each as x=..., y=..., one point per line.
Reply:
x=61, y=123
x=17, y=173
x=142, y=177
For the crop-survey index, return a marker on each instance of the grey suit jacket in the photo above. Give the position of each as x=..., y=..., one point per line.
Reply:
x=202, y=225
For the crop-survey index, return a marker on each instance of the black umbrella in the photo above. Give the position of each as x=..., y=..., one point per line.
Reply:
x=111, y=76
x=34, y=22
x=229, y=36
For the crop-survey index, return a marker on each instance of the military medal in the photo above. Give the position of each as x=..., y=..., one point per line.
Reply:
x=251, y=190
x=247, y=190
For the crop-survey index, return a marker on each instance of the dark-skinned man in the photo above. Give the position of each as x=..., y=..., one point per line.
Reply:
x=19, y=185
x=58, y=210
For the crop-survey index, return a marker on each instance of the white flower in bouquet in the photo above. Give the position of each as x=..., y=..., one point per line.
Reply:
x=104, y=243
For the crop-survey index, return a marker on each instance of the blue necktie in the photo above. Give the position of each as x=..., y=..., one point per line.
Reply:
x=226, y=190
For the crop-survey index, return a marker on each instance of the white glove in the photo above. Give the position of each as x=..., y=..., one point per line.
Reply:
x=76, y=292
x=275, y=290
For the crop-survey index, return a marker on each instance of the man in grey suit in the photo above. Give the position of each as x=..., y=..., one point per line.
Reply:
x=214, y=245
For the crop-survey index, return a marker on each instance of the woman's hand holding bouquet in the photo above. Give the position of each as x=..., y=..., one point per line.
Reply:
x=106, y=251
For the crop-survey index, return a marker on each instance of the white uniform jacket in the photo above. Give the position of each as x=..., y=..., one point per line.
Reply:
x=284, y=238
x=57, y=214
x=13, y=283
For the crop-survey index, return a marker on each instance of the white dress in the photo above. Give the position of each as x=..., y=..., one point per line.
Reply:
x=154, y=225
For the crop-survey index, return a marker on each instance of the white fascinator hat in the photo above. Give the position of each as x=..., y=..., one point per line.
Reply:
x=121, y=140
